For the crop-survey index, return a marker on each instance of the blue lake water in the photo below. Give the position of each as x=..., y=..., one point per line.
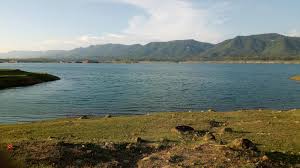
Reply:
x=97, y=89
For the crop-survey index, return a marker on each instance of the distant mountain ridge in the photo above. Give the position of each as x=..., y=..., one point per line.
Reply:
x=255, y=47
x=154, y=51
x=270, y=46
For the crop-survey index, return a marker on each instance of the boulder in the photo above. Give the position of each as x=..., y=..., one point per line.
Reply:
x=139, y=140
x=163, y=140
x=200, y=133
x=110, y=146
x=84, y=117
x=214, y=123
x=242, y=144
x=50, y=138
x=209, y=137
x=130, y=146
x=226, y=130
x=183, y=129
x=264, y=158
x=175, y=159
x=107, y=116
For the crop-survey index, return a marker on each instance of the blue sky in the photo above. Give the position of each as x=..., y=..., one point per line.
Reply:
x=67, y=24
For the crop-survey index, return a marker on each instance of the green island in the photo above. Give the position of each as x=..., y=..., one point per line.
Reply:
x=245, y=138
x=16, y=78
x=297, y=78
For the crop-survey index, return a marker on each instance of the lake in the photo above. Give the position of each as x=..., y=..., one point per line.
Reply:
x=99, y=89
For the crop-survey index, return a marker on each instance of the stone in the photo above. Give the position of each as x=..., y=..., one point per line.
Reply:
x=163, y=140
x=226, y=130
x=130, y=146
x=264, y=158
x=78, y=162
x=107, y=116
x=83, y=117
x=242, y=144
x=159, y=146
x=214, y=123
x=109, y=145
x=146, y=158
x=209, y=137
x=175, y=159
x=183, y=129
x=200, y=133
x=139, y=140
x=50, y=138
x=211, y=110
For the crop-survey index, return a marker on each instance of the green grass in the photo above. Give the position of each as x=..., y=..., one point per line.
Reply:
x=271, y=130
x=15, y=78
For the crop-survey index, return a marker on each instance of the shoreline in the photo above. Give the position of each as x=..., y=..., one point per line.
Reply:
x=93, y=116
x=244, y=62
x=168, y=62
x=103, y=116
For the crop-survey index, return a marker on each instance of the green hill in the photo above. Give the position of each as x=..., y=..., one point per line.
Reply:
x=155, y=51
x=255, y=47
x=264, y=47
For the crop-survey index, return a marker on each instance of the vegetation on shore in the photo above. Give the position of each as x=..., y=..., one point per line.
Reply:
x=297, y=78
x=16, y=78
x=153, y=141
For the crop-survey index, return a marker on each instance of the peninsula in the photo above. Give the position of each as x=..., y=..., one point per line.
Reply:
x=16, y=78
x=296, y=77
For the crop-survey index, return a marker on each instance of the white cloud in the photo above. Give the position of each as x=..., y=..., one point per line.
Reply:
x=162, y=20
x=170, y=20
x=293, y=33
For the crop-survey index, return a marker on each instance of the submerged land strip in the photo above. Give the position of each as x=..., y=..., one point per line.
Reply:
x=246, y=138
x=296, y=77
x=15, y=78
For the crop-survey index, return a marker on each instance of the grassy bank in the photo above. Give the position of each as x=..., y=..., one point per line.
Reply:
x=275, y=133
x=16, y=78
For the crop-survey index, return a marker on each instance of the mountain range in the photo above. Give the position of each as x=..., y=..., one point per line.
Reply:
x=270, y=46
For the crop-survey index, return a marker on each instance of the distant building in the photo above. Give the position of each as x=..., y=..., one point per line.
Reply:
x=85, y=61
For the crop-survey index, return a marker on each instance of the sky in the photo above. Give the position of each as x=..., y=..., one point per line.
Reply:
x=67, y=24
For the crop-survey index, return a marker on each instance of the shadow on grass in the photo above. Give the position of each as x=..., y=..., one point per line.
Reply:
x=60, y=154
x=241, y=132
x=284, y=157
